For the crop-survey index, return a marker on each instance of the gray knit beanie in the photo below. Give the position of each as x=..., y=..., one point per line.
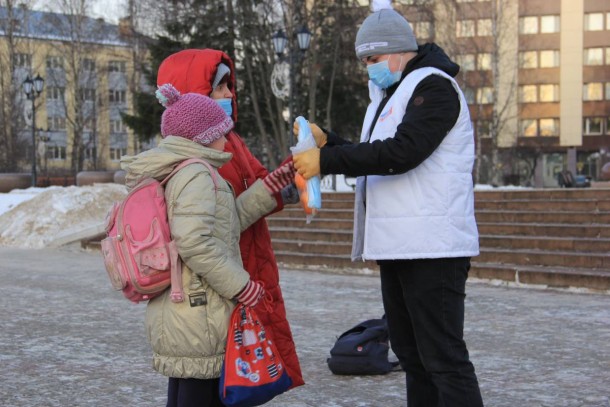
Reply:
x=384, y=32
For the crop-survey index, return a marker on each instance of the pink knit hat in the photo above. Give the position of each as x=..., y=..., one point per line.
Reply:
x=192, y=116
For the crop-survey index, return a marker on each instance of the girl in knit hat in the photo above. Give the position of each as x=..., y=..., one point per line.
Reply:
x=188, y=338
x=211, y=72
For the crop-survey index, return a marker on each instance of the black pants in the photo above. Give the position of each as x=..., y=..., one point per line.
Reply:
x=424, y=305
x=193, y=393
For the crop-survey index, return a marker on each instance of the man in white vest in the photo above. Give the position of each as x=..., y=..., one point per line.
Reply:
x=414, y=210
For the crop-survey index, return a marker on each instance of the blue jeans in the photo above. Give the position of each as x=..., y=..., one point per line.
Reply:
x=424, y=306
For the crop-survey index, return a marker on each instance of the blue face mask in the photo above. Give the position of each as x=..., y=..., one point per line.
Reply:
x=381, y=75
x=227, y=105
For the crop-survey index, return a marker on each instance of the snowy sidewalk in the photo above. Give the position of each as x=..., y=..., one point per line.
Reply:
x=67, y=339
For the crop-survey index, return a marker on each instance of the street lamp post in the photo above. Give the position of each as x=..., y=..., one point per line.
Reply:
x=33, y=89
x=280, y=40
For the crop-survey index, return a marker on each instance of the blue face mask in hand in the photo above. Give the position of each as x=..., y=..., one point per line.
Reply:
x=381, y=75
x=227, y=105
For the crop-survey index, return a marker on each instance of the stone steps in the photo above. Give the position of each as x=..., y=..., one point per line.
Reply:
x=558, y=238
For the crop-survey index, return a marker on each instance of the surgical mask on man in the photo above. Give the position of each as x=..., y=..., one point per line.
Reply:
x=381, y=75
x=227, y=105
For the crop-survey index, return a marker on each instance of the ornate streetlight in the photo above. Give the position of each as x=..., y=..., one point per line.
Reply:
x=33, y=88
x=280, y=40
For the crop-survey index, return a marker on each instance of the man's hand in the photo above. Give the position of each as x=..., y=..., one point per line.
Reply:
x=307, y=163
x=317, y=132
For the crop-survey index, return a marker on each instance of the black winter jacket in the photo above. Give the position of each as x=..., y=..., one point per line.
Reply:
x=423, y=128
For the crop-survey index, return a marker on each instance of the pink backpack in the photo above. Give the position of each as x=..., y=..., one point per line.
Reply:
x=140, y=257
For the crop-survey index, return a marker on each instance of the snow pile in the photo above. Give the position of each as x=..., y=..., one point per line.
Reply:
x=35, y=217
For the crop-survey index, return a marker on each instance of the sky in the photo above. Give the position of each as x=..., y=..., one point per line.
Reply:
x=110, y=10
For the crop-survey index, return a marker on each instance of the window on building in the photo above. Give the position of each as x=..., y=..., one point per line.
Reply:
x=55, y=93
x=549, y=59
x=116, y=153
x=469, y=95
x=423, y=29
x=528, y=59
x=117, y=96
x=484, y=128
x=608, y=125
x=594, y=56
x=56, y=123
x=485, y=95
x=549, y=93
x=465, y=28
x=539, y=24
x=593, y=91
x=117, y=126
x=117, y=66
x=484, y=62
x=549, y=24
x=592, y=126
x=549, y=127
x=528, y=94
x=55, y=62
x=88, y=65
x=607, y=90
x=89, y=124
x=484, y=27
x=90, y=153
x=528, y=25
x=529, y=128
x=56, y=152
x=22, y=61
x=607, y=56
x=594, y=21
x=466, y=62
x=87, y=95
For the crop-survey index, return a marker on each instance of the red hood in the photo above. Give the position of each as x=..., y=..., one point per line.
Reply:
x=193, y=70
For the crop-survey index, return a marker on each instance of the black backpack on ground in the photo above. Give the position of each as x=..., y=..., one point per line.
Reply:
x=362, y=350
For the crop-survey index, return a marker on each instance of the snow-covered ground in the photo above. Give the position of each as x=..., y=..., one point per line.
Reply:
x=36, y=217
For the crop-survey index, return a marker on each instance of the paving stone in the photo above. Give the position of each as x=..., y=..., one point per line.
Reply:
x=67, y=339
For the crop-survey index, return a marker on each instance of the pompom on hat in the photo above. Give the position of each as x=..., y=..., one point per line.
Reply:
x=384, y=32
x=192, y=116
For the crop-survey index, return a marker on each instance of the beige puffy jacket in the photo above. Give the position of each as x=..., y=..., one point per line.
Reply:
x=189, y=342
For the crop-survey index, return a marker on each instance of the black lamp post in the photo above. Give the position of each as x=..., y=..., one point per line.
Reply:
x=280, y=40
x=33, y=88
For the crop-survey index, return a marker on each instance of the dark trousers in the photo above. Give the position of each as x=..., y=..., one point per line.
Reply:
x=193, y=393
x=424, y=306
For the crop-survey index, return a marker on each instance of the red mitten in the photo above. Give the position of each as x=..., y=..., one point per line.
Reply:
x=280, y=178
x=251, y=294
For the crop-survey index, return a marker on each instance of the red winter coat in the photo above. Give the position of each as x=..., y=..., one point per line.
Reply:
x=193, y=70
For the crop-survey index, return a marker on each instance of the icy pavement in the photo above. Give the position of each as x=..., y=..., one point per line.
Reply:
x=67, y=340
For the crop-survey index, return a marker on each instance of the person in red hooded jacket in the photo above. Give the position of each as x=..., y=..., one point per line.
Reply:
x=211, y=72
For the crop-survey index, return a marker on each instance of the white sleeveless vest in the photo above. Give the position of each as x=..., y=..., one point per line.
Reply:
x=427, y=212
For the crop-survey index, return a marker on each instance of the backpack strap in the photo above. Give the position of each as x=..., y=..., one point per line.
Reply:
x=192, y=161
x=177, y=294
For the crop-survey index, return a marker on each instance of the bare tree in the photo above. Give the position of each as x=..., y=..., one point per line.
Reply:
x=15, y=65
x=72, y=78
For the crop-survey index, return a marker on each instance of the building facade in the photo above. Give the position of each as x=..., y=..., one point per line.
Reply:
x=90, y=74
x=536, y=74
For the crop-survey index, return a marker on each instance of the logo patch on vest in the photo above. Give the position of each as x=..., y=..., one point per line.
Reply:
x=418, y=100
x=385, y=114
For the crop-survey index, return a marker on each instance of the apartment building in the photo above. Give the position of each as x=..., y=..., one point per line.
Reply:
x=536, y=74
x=89, y=78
